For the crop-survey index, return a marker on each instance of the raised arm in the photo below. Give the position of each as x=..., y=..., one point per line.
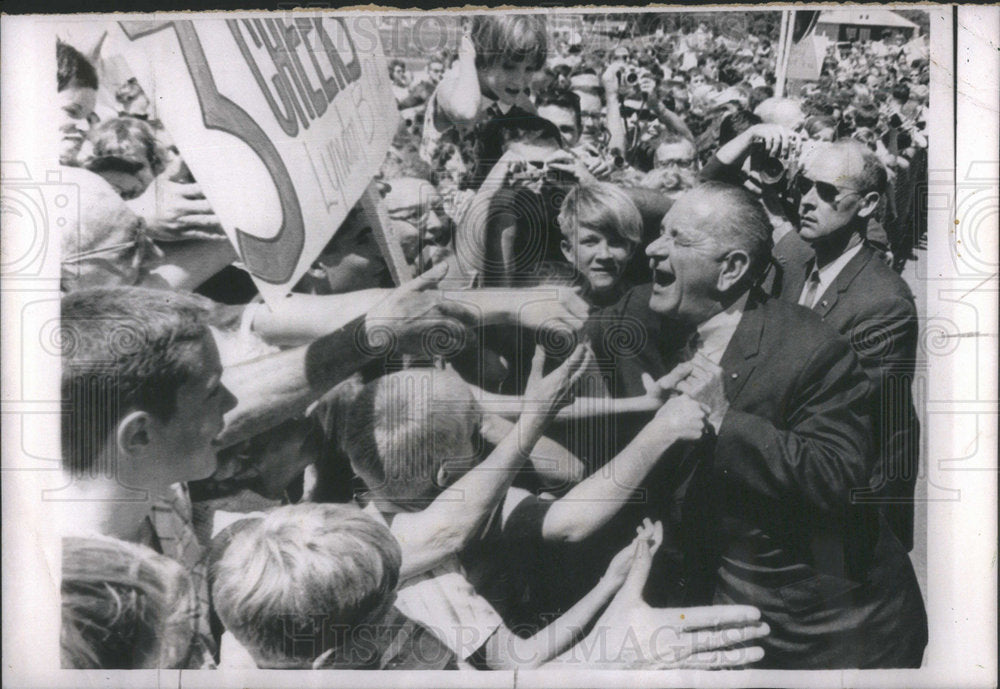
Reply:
x=447, y=524
x=458, y=94
x=595, y=500
x=507, y=651
x=612, y=111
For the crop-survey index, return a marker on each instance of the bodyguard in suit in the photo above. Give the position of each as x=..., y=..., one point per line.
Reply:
x=794, y=433
x=842, y=279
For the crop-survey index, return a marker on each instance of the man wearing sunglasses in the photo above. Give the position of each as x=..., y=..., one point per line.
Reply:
x=851, y=288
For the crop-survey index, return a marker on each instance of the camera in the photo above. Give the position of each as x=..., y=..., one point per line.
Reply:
x=37, y=214
x=778, y=172
x=630, y=75
x=772, y=171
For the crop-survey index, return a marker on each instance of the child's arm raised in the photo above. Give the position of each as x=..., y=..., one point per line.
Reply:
x=458, y=95
x=630, y=635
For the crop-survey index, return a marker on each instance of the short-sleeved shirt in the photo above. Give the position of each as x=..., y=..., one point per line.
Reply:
x=443, y=600
x=458, y=600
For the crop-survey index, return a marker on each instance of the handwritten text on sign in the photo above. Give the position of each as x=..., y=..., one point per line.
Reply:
x=295, y=118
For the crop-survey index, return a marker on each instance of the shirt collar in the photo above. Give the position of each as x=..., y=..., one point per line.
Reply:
x=829, y=272
x=717, y=331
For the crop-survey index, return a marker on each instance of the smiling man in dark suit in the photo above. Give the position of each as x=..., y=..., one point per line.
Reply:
x=791, y=407
x=843, y=279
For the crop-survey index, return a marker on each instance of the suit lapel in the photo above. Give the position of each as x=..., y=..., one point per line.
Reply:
x=740, y=357
x=843, y=281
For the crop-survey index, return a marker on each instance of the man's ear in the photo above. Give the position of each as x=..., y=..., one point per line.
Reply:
x=134, y=433
x=734, y=268
x=567, y=249
x=869, y=202
x=441, y=478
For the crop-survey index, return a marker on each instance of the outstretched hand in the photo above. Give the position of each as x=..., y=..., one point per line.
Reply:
x=636, y=636
x=544, y=396
x=416, y=319
x=621, y=565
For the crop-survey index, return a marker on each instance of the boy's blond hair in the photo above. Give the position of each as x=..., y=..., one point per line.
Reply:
x=304, y=579
x=602, y=207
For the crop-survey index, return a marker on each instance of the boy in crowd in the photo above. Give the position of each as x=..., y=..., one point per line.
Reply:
x=601, y=229
x=498, y=57
x=314, y=586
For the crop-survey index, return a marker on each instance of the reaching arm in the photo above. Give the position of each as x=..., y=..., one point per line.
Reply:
x=447, y=524
x=184, y=266
x=507, y=651
x=277, y=387
x=632, y=635
x=612, y=112
x=302, y=318
x=604, y=493
x=554, y=465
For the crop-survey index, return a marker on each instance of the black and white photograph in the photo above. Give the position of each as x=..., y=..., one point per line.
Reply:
x=537, y=347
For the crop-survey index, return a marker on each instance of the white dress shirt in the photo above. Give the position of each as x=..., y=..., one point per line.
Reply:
x=713, y=335
x=826, y=275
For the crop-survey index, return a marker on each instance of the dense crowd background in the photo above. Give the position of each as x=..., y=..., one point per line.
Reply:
x=306, y=518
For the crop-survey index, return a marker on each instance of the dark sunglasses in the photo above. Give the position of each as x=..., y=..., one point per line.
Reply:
x=826, y=191
x=644, y=115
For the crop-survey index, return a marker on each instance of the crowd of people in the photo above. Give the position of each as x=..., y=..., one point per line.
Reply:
x=645, y=403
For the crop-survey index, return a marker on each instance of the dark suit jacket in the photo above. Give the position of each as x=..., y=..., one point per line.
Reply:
x=833, y=583
x=873, y=308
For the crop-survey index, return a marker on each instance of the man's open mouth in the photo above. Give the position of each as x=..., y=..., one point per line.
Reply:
x=662, y=278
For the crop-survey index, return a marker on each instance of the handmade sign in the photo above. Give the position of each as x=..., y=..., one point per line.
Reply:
x=282, y=120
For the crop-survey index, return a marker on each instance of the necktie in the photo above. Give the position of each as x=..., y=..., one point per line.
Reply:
x=694, y=343
x=812, y=288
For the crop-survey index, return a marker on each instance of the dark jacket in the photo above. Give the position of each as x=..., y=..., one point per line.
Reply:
x=872, y=307
x=831, y=580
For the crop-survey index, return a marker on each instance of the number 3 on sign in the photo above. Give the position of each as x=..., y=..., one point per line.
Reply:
x=274, y=259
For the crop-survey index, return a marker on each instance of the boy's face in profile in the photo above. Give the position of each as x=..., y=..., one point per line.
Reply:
x=76, y=107
x=507, y=81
